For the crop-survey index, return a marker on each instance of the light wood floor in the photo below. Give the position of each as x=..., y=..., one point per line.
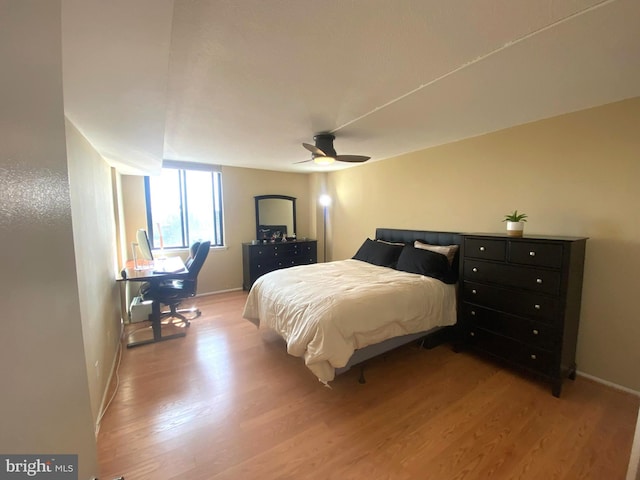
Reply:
x=228, y=402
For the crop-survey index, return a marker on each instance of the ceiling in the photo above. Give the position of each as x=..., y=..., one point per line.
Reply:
x=245, y=82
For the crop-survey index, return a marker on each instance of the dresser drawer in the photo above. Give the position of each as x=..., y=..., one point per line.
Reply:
x=267, y=257
x=530, y=305
x=543, y=281
x=533, y=358
x=261, y=267
x=261, y=251
x=285, y=249
x=488, y=249
x=304, y=259
x=276, y=250
x=308, y=247
x=530, y=332
x=536, y=254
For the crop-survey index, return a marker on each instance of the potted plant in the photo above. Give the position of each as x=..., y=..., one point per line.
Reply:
x=515, y=223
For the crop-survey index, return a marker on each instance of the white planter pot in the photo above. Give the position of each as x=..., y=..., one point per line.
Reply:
x=514, y=229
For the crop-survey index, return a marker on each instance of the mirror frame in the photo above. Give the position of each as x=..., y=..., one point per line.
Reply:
x=281, y=197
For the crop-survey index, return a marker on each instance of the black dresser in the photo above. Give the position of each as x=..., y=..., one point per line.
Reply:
x=267, y=257
x=520, y=301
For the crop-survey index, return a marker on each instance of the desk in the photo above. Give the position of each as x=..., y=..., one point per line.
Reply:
x=171, y=268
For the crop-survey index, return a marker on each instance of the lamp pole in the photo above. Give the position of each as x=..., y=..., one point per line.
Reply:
x=325, y=201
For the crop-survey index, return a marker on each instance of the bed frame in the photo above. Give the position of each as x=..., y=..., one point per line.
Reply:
x=428, y=339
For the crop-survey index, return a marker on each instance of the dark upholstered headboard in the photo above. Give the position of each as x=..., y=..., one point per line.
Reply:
x=410, y=236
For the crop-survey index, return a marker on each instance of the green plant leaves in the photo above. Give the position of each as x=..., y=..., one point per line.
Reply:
x=515, y=217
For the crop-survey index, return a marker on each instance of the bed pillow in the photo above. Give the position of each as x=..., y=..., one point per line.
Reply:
x=447, y=250
x=402, y=244
x=425, y=262
x=379, y=253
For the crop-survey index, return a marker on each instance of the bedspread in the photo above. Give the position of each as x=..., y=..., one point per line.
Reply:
x=326, y=311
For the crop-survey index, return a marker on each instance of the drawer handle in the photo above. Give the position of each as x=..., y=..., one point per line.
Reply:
x=473, y=334
x=533, y=356
x=474, y=291
x=532, y=254
x=535, y=332
x=536, y=306
x=473, y=313
x=539, y=281
x=474, y=269
x=482, y=249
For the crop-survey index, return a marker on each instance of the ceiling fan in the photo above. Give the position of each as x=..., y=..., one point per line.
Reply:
x=323, y=152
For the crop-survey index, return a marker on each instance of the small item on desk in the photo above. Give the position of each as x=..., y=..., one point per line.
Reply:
x=164, y=270
x=134, y=255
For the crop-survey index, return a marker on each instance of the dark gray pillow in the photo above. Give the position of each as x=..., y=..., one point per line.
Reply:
x=378, y=253
x=427, y=263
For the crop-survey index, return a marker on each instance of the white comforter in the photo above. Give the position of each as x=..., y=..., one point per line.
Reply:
x=326, y=311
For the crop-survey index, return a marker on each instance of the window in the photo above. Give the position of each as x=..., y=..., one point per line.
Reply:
x=184, y=205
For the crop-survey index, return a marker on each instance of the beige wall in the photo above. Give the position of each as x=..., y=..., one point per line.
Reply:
x=45, y=405
x=94, y=237
x=577, y=174
x=223, y=268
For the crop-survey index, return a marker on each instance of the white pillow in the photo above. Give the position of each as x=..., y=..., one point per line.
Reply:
x=448, y=251
x=389, y=243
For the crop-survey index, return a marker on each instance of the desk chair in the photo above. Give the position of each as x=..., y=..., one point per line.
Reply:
x=144, y=288
x=172, y=293
x=192, y=254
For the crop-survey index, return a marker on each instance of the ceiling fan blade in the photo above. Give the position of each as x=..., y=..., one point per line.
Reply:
x=352, y=158
x=303, y=161
x=315, y=150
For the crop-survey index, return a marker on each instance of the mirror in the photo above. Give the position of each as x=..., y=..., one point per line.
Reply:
x=275, y=217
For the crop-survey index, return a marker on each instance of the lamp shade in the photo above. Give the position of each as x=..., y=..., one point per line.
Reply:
x=325, y=200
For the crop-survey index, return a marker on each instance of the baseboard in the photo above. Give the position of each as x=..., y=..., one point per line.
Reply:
x=114, y=365
x=633, y=472
x=608, y=383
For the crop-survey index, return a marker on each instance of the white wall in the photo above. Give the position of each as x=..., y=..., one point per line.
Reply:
x=45, y=404
x=94, y=236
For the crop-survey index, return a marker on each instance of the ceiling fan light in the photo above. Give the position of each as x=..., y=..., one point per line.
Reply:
x=323, y=160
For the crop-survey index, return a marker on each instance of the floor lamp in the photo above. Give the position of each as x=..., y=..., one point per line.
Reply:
x=325, y=201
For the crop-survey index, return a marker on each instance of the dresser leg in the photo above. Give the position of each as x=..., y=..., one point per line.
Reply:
x=362, y=380
x=556, y=388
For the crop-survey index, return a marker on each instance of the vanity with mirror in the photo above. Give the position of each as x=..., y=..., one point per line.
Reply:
x=276, y=244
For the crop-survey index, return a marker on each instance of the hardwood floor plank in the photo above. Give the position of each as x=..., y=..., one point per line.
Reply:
x=228, y=402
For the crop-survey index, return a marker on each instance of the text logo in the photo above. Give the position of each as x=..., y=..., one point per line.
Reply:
x=49, y=467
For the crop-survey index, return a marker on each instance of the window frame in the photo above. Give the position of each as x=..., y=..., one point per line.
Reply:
x=217, y=200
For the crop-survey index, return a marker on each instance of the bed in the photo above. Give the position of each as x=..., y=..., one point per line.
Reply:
x=339, y=314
